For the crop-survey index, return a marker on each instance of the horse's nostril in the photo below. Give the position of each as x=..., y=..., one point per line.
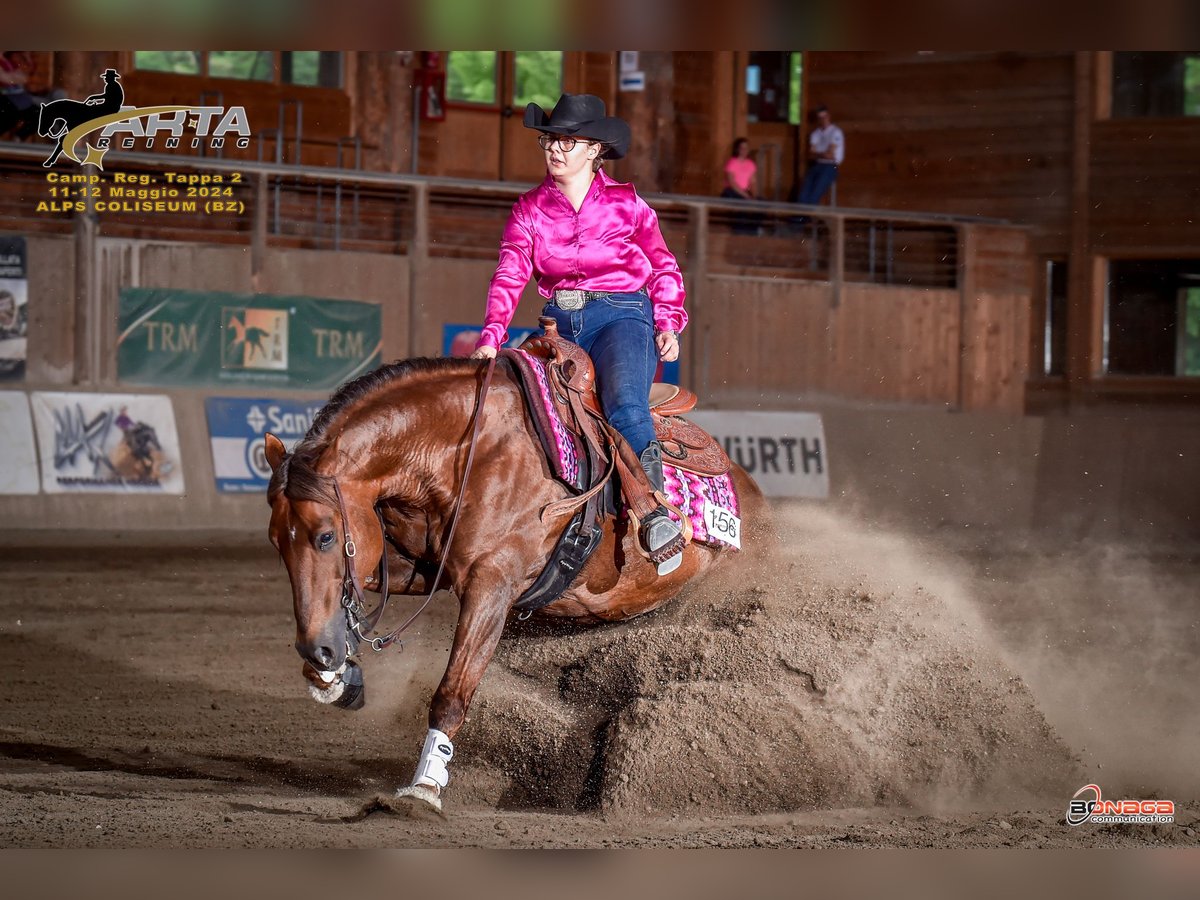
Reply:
x=325, y=657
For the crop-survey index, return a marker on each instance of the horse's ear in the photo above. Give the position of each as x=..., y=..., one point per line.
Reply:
x=275, y=451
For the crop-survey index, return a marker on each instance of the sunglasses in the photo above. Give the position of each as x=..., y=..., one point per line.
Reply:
x=566, y=144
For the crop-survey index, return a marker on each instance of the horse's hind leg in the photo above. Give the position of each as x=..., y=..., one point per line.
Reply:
x=480, y=624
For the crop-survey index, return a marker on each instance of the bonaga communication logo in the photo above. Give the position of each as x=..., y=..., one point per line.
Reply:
x=1095, y=809
x=68, y=122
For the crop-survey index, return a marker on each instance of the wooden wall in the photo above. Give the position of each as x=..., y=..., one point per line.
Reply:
x=703, y=95
x=985, y=134
x=1145, y=188
x=996, y=339
x=1025, y=137
x=779, y=341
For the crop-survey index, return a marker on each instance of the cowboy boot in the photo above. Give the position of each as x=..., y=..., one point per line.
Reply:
x=658, y=531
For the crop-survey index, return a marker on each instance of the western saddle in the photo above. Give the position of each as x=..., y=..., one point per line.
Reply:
x=572, y=382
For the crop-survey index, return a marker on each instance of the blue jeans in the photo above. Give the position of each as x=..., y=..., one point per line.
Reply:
x=817, y=180
x=617, y=331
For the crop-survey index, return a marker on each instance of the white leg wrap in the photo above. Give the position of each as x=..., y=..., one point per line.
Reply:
x=431, y=768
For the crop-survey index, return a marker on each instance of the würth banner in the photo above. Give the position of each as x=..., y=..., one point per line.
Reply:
x=784, y=452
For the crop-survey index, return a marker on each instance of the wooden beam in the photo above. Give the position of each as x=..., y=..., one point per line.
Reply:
x=1084, y=302
x=86, y=312
x=966, y=299
x=418, y=265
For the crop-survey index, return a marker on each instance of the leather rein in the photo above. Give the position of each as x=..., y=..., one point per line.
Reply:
x=353, y=599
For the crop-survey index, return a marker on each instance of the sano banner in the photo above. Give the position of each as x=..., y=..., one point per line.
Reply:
x=236, y=428
x=107, y=443
x=784, y=453
x=172, y=337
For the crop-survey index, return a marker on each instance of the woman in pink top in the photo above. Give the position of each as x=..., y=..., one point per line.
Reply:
x=610, y=282
x=740, y=170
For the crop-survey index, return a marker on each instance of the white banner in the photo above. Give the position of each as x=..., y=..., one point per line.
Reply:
x=107, y=442
x=785, y=453
x=18, y=458
x=14, y=308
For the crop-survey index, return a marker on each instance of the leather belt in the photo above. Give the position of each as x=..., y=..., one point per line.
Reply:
x=575, y=298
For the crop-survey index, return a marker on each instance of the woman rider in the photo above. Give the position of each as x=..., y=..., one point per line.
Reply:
x=610, y=282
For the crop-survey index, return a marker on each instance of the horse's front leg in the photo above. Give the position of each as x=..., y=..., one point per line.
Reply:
x=480, y=624
x=55, y=155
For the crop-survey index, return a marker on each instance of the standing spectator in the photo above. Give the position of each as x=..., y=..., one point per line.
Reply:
x=826, y=150
x=740, y=172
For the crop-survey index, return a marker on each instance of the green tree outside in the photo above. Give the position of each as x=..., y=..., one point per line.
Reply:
x=539, y=77
x=1191, y=326
x=471, y=76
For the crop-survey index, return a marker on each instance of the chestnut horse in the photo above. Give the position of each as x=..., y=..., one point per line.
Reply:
x=390, y=449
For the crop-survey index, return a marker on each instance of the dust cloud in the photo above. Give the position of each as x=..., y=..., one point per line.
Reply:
x=848, y=667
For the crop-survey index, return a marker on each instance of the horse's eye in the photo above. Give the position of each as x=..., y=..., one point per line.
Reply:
x=325, y=541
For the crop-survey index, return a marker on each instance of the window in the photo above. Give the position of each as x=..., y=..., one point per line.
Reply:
x=313, y=68
x=250, y=65
x=1156, y=84
x=471, y=76
x=181, y=62
x=537, y=78
x=1153, y=320
x=1054, y=333
x=773, y=86
x=1188, y=355
x=309, y=68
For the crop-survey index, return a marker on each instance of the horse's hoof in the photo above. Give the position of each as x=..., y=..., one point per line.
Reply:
x=420, y=802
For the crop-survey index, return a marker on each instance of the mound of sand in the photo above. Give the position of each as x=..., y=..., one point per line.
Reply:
x=818, y=680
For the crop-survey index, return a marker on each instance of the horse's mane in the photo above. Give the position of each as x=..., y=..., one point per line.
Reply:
x=296, y=476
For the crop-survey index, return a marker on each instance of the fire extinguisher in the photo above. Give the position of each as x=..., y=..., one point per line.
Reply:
x=431, y=87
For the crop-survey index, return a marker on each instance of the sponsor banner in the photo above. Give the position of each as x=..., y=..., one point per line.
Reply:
x=123, y=443
x=237, y=427
x=784, y=452
x=459, y=340
x=18, y=469
x=169, y=337
x=14, y=308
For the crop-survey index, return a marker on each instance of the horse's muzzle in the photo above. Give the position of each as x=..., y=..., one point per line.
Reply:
x=342, y=688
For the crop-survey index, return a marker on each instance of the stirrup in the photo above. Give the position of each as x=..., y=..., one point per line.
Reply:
x=662, y=541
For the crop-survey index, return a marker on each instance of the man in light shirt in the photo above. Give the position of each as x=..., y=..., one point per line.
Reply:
x=826, y=150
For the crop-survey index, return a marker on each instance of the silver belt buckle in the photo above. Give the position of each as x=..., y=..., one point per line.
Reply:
x=569, y=300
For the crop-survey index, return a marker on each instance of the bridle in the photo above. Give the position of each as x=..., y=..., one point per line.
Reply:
x=361, y=623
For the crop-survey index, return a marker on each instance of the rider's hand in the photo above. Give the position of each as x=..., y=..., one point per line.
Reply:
x=484, y=352
x=668, y=346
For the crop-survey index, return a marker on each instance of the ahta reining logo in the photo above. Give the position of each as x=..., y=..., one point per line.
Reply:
x=68, y=121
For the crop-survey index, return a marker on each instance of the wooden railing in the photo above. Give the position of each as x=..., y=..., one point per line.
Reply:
x=329, y=208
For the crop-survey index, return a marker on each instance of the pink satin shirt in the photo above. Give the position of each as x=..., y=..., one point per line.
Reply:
x=612, y=244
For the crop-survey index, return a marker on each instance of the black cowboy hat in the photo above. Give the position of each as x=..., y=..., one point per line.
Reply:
x=582, y=115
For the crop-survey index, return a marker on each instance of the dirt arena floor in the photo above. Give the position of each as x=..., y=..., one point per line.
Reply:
x=863, y=689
